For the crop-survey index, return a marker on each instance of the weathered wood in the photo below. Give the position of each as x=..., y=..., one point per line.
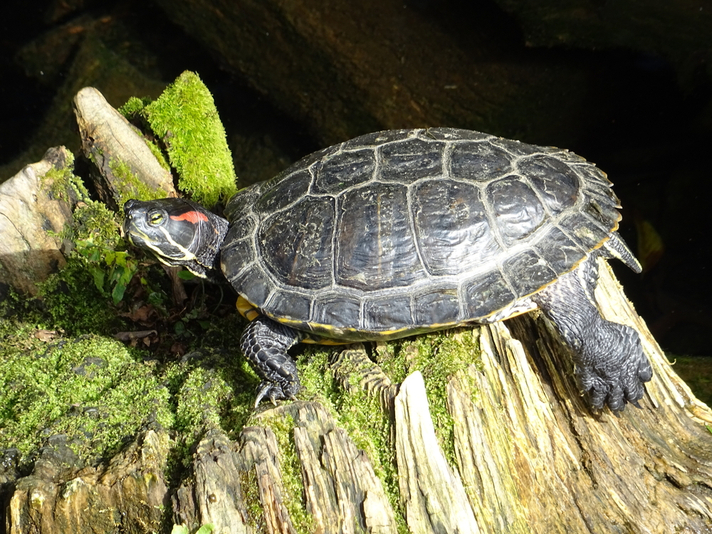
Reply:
x=534, y=459
x=341, y=490
x=123, y=159
x=530, y=455
x=125, y=495
x=34, y=210
x=432, y=494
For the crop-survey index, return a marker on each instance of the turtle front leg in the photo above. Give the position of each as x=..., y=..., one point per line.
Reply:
x=264, y=343
x=610, y=363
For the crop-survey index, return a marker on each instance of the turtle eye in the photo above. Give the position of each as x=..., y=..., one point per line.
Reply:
x=156, y=217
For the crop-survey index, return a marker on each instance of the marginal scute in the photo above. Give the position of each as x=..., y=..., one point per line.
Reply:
x=595, y=176
x=587, y=233
x=452, y=229
x=235, y=255
x=293, y=306
x=388, y=312
x=339, y=311
x=559, y=251
x=556, y=182
x=242, y=229
x=528, y=272
x=485, y=294
x=602, y=210
x=254, y=285
x=241, y=203
x=439, y=305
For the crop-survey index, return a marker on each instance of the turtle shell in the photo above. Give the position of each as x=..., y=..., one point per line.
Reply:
x=404, y=231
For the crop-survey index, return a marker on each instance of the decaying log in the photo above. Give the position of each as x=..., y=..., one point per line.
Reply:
x=531, y=456
x=33, y=213
x=126, y=495
x=118, y=150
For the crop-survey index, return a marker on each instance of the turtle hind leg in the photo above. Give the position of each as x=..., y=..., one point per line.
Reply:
x=610, y=363
x=264, y=343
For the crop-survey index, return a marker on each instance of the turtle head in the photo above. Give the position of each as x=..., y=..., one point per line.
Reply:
x=177, y=231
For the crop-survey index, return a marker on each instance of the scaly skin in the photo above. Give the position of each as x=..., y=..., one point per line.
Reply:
x=264, y=343
x=610, y=363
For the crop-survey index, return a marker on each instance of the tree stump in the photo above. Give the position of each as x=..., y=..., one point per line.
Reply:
x=531, y=456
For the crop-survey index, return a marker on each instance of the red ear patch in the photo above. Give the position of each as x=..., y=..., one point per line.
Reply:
x=190, y=216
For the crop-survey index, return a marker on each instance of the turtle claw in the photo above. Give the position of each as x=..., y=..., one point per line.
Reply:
x=274, y=392
x=268, y=390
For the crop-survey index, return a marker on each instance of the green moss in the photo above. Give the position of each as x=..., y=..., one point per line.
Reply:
x=94, y=390
x=130, y=184
x=94, y=223
x=283, y=428
x=440, y=356
x=186, y=119
x=74, y=304
x=201, y=400
x=63, y=184
x=133, y=106
x=97, y=260
x=253, y=504
x=158, y=154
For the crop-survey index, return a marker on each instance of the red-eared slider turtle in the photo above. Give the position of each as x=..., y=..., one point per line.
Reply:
x=400, y=232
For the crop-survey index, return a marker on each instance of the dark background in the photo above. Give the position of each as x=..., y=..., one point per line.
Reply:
x=639, y=106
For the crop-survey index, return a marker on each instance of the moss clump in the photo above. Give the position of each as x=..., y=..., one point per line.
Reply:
x=186, y=119
x=94, y=390
x=133, y=107
x=63, y=184
x=129, y=185
x=97, y=260
x=201, y=400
